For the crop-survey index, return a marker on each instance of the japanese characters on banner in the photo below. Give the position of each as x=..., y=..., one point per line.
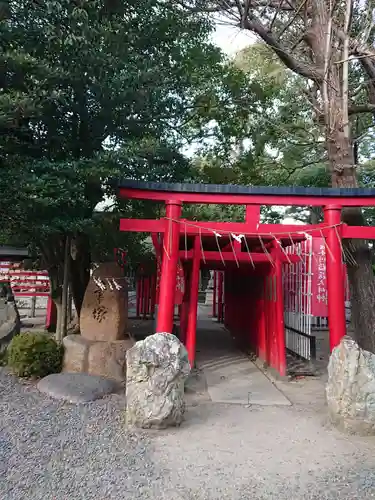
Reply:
x=319, y=302
x=180, y=283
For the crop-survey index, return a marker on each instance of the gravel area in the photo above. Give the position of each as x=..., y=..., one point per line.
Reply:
x=56, y=451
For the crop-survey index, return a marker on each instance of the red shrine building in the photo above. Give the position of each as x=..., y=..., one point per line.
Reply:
x=270, y=280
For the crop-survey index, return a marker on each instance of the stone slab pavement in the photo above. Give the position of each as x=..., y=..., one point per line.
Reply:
x=231, y=377
x=235, y=379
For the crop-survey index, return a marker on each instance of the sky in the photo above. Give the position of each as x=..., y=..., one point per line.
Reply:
x=231, y=39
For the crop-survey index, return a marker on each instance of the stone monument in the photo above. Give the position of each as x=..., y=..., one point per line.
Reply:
x=101, y=347
x=350, y=389
x=157, y=368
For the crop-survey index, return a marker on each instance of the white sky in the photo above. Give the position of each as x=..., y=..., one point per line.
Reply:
x=231, y=39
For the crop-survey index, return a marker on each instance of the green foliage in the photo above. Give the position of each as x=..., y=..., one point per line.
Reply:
x=34, y=354
x=95, y=90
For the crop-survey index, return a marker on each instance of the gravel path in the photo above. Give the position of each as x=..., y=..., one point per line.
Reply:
x=55, y=451
x=262, y=453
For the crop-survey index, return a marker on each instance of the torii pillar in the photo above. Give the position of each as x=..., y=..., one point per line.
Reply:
x=169, y=268
x=191, y=334
x=335, y=276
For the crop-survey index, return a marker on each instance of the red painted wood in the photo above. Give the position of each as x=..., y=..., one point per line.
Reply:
x=51, y=317
x=206, y=228
x=266, y=230
x=261, y=327
x=335, y=279
x=367, y=233
x=153, y=296
x=138, y=296
x=279, y=312
x=214, y=296
x=242, y=257
x=252, y=214
x=169, y=269
x=220, y=297
x=245, y=199
x=184, y=317
x=193, y=303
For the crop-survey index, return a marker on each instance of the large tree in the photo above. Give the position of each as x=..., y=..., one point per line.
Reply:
x=92, y=90
x=329, y=44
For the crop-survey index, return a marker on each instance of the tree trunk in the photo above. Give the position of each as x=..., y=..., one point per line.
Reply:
x=65, y=288
x=80, y=264
x=59, y=315
x=359, y=264
x=315, y=215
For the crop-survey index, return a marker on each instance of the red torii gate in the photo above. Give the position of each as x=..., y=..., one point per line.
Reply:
x=195, y=243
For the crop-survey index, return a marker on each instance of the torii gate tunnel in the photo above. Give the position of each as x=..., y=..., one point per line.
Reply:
x=251, y=257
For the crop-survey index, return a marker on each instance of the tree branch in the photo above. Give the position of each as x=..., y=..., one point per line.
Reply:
x=306, y=70
x=361, y=108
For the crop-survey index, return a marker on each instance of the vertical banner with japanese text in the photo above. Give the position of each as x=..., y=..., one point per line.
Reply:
x=180, y=283
x=319, y=299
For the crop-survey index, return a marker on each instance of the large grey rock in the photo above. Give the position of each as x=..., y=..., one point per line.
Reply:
x=350, y=389
x=76, y=387
x=10, y=323
x=157, y=368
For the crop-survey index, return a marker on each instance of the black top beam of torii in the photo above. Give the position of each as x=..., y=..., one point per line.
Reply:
x=222, y=193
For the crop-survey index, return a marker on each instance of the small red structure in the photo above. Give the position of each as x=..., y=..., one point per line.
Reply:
x=251, y=259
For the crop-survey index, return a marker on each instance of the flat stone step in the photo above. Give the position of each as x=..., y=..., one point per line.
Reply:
x=233, y=379
x=77, y=387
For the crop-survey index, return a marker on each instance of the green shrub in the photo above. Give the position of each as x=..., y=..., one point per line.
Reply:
x=34, y=354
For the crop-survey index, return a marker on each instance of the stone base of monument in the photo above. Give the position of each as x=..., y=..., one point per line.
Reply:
x=157, y=368
x=106, y=359
x=350, y=389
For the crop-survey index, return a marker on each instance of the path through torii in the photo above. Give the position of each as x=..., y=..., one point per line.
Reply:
x=251, y=254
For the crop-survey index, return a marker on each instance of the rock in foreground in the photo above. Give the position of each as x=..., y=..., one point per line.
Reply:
x=76, y=387
x=157, y=368
x=10, y=323
x=350, y=389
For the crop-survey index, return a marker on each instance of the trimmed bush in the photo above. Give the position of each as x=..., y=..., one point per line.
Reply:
x=34, y=354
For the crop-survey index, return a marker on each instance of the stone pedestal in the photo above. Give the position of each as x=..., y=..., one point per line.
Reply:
x=107, y=359
x=101, y=347
x=350, y=389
